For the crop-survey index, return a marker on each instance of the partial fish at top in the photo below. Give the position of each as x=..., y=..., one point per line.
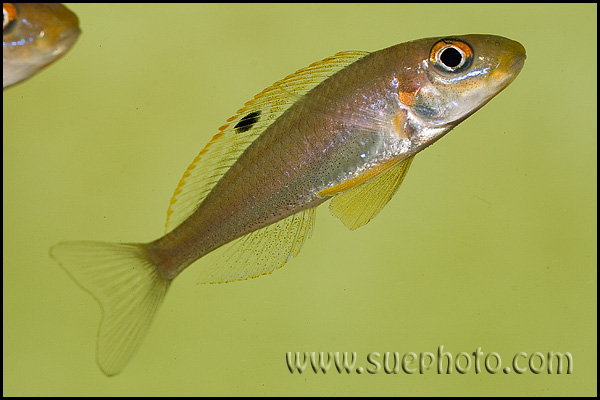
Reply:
x=34, y=35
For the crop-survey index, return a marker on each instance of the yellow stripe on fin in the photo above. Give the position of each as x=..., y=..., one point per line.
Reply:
x=243, y=128
x=260, y=252
x=362, y=202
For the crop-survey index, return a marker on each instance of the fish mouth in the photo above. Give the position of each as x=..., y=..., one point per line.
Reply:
x=509, y=66
x=518, y=62
x=66, y=39
x=516, y=58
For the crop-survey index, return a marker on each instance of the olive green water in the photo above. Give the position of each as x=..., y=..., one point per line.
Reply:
x=490, y=243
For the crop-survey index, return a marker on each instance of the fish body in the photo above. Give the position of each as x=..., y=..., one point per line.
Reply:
x=344, y=129
x=34, y=35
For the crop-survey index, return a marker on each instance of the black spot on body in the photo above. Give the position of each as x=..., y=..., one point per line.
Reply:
x=247, y=122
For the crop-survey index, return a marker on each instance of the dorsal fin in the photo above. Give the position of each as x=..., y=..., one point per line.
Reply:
x=242, y=129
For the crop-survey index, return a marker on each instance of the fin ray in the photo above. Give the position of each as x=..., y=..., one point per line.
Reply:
x=260, y=252
x=360, y=204
x=128, y=288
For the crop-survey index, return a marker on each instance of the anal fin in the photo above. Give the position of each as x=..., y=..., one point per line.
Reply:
x=260, y=252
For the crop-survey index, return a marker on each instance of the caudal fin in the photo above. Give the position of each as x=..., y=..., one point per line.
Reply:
x=128, y=288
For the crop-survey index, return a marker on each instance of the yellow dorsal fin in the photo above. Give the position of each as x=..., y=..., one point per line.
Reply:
x=362, y=201
x=260, y=252
x=242, y=129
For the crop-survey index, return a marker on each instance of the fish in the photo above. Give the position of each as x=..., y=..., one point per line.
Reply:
x=344, y=129
x=34, y=35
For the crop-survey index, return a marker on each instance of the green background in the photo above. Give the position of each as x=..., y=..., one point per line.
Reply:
x=491, y=241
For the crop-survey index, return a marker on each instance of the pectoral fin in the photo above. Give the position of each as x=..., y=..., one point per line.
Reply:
x=365, y=197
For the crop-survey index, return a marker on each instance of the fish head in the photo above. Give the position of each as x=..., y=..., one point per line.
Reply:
x=448, y=79
x=34, y=35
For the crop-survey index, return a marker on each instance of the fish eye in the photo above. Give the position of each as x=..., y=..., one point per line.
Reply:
x=450, y=55
x=9, y=16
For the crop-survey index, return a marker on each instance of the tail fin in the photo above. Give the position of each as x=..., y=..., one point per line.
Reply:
x=128, y=287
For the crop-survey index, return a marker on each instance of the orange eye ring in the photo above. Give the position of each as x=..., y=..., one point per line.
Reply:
x=451, y=55
x=9, y=14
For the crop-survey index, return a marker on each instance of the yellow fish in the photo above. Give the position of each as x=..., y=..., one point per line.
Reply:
x=34, y=35
x=343, y=129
